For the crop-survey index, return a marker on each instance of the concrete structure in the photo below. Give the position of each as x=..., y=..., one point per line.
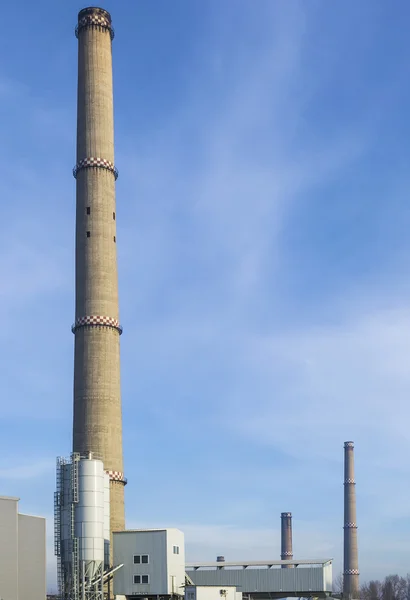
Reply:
x=350, y=562
x=193, y=592
x=286, y=538
x=22, y=553
x=153, y=563
x=266, y=579
x=97, y=423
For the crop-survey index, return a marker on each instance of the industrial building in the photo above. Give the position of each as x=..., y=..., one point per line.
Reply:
x=97, y=556
x=22, y=553
x=194, y=592
x=266, y=579
x=153, y=563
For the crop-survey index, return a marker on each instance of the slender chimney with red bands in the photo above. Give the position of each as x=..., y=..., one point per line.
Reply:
x=97, y=424
x=351, y=563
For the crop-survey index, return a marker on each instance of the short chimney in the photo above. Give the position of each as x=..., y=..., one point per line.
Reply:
x=286, y=538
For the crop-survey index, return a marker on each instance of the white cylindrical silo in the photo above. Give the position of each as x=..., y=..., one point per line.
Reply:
x=106, y=520
x=89, y=512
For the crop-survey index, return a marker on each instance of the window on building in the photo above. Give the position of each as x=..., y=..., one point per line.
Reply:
x=88, y=210
x=176, y=549
x=114, y=238
x=145, y=579
x=88, y=234
x=113, y=215
x=141, y=559
x=191, y=595
x=137, y=579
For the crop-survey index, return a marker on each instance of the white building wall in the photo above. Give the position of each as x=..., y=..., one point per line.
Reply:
x=193, y=592
x=22, y=553
x=31, y=558
x=8, y=548
x=175, y=562
x=164, y=569
x=328, y=577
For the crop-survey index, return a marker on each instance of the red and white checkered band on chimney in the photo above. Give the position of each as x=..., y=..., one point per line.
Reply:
x=95, y=162
x=101, y=21
x=97, y=321
x=350, y=552
x=286, y=538
x=116, y=476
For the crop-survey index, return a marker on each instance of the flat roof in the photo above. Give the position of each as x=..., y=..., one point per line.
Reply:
x=146, y=530
x=259, y=563
x=32, y=516
x=9, y=498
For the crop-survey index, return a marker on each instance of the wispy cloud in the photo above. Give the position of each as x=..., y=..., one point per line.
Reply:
x=224, y=248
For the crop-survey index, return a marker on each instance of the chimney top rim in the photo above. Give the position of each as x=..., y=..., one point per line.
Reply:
x=94, y=10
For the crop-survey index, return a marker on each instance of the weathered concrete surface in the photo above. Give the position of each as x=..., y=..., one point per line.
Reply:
x=97, y=423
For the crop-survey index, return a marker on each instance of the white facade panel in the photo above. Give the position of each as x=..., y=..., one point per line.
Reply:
x=164, y=571
x=31, y=557
x=175, y=561
x=193, y=592
x=8, y=548
x=328, y=577
x=22, y=554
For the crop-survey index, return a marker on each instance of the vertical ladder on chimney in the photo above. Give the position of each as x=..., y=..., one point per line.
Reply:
x=74, y=499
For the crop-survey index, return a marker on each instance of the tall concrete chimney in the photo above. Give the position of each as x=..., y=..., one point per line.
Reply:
x=286, y=538
x=350, y=564
x=97, y=424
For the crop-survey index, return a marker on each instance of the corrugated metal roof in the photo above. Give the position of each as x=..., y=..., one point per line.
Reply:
x=259, y=563
x=138, y=530
x=297, y=581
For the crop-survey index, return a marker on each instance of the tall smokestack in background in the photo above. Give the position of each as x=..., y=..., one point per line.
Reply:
x=351, y=563
x=97, y=423
x=286, y=538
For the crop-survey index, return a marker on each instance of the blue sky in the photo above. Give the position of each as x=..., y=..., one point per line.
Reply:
x=263, y=218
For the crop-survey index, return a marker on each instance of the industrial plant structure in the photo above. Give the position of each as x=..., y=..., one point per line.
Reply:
x=266, y=579
x=350, y=554
x=82, y=527
x=93, y=547
x=89, y=501
x=153, y=563
x=97, y=424
x=286, y=538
